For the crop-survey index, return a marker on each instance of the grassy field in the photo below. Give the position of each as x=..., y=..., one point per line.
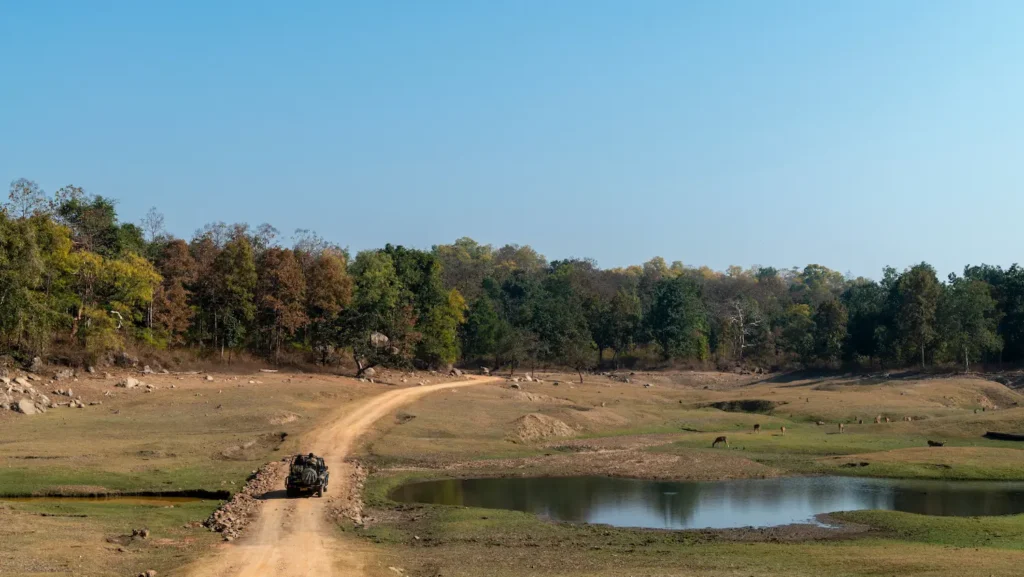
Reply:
x=198, y=435
x=209, y=435
x=665, y=431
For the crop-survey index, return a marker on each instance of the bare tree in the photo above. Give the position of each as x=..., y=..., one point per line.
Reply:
x=26, y=199
x=153, y=224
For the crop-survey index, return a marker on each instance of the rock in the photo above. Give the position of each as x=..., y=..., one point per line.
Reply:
x=420, y=384
x=515, y=386
x=63, y=374
x=146, y=370
x=370, y=372
x=528, y=378
x=455, y=373
x=251, y=382
x=126, y=361
x=36, y=366
x=379, y=340
x=209, y=377
x=149, y=573
x=647, y=385
x=485, y=371
x=128, y=383
x=26, y=407
x=90, y=369
x=22, y=381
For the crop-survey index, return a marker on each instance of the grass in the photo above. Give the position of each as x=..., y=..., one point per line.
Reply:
x=632, y=424
x=84, y=538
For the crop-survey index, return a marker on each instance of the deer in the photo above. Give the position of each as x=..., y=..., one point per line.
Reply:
x=936, y=443
x=783, y=429
x=721, y=439
x=841, y=428
x=878, y=419
x=757, y=427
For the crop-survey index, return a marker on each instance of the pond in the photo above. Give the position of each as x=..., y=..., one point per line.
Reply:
x=718, y=505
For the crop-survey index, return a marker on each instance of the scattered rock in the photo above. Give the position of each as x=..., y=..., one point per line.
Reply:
x=455, y=373
x=515, y=386
x=146, y=370
x=370, y=372
x=36, y=366
x=64, y=374
x=232, y=517
x=209, y=377
x=485, y=371
x=528, y=378
x=140, y=533
x=90, y=369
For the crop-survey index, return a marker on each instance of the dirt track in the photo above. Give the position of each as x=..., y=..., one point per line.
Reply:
x=292, y=537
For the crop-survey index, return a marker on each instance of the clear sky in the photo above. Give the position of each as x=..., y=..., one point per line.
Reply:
x=852, y=134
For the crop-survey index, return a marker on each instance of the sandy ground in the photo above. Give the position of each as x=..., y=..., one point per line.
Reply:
x=293, y=537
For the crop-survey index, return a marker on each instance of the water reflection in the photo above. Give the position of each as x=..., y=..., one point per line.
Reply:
x=724, y=504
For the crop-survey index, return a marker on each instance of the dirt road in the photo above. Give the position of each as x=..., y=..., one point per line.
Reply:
x=292, y=537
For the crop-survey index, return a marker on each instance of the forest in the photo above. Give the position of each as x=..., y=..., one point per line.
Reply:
x=74, y=280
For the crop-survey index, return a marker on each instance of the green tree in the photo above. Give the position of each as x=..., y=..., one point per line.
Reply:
x=830, y=321
x=677, y=319
x=481, y=330
x=969, y=319
x=798, y=332
x=439, y=326
x=379, y=327
x=234, y=275
x=919, y=292
x=171, y=311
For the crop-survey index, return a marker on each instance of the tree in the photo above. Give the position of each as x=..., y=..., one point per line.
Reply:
x=280, y=297
x=798, y=332
x=439, y=326
x=328, y=292
x=379, y=327
x=969, y=319
x=234, y=272
x=153, y=224
x=171, y=312
x=677, y=319
x=919, y=292
x=577, y=351
x=25, y=199
x=829, y=330
x=21, y=273
x=864, y=301
x=481, y=331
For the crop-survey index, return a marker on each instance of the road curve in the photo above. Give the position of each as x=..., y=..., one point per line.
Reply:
x=292, y=537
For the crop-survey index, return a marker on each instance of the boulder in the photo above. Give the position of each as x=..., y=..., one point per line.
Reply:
x=90, y=369
x=455, y=372
x=209, y=377
x=36, y=366
x=515, y=386
x=63, y=374
x=128, y=383
x=485, y=371
x=126, y=361
x=528, y=378
x=370, y=372
x=26, y=407
x=146, y=370
x=22, y=381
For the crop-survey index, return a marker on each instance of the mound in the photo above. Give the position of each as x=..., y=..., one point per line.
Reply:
x=536, y=427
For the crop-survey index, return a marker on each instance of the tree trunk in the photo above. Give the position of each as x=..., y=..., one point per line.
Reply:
x=580, y=371
x=922, y=355
x=600, y=353
x=967, y=360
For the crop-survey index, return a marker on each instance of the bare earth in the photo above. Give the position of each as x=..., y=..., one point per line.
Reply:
x=293, y=537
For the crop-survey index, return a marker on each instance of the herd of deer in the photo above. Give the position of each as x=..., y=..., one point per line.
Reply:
x=842, y=429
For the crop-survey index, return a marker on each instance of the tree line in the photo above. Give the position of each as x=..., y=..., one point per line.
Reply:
x=73, y=276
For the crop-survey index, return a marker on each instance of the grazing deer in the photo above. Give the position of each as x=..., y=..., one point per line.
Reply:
x=908, y=419
x=757, y=427
x=841, y=428
x=860, y=421
x=878, y=419
x=821, y=423
x=936, y=443
x=721, y=439
x=887, y=420
x=783, y=429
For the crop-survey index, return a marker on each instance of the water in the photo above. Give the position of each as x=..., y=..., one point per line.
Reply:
x=719, y=505
x=158, y=501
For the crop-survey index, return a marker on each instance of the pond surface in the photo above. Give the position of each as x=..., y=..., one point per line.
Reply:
x=719, y=505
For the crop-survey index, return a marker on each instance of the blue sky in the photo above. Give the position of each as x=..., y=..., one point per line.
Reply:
x=852, y=134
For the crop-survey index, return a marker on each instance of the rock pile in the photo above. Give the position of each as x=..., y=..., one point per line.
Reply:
x=232, y=517
x=21, y=396
x=350, y=504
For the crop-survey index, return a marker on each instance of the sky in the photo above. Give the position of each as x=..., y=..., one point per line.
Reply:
x=852, y=134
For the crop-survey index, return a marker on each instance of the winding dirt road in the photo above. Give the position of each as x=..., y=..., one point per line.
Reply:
x=292, y=537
